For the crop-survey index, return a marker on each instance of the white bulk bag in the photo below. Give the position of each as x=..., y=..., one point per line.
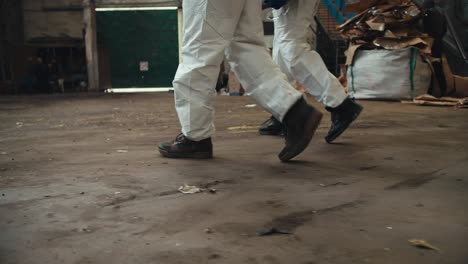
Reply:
x=388, y=74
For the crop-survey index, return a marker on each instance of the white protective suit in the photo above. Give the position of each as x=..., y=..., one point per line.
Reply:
x=210, y=28
x=292, y=52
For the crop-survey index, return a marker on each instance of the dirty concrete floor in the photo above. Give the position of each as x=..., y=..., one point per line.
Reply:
x=81, y=182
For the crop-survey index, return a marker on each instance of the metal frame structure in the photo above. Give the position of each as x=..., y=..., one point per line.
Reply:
x=330, y=46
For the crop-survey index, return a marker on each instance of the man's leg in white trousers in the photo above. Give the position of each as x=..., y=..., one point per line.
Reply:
x=208, y=28
x=295, y=57
x=250, y=60
x=264, y=81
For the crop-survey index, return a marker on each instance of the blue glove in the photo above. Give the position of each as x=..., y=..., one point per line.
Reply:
x=276, y=4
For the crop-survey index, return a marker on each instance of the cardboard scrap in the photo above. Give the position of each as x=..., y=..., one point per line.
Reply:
x=400, y=43
x=243, y=127
x=350, y=52
x=450, y=82
x=461, y=85
x=435, y=83
x=456, y=85
x=422, y=244
x=429, y=100
x=397, y=32
x=376, y=24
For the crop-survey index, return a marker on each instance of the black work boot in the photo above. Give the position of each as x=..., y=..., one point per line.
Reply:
x=272, y=127
x=182, y=147
x=301, y=122
x=341, y=117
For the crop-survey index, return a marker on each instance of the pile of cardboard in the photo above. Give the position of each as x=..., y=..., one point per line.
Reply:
x=384, y=24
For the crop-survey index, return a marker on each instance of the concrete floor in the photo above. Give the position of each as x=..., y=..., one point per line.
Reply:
x=81, y=181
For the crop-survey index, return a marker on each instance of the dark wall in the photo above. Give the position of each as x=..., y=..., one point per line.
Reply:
x=448, y=20
x=11, y=34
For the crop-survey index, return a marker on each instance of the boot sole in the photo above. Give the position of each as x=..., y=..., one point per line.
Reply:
x=331, y=139
x=193, y=155
x=311, y=126
x=265, y=133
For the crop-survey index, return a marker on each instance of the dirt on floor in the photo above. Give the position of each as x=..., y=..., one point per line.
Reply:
x=81, y=181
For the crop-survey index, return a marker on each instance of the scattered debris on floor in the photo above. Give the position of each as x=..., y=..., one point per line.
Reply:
x=429, y=100
x=273, y=231
x=192, y=189
x=333, y=184
x=122, y=151
x=243, y=127
x=251, y=106
x=209, y=231
x=189, y=189
x=214, y=256
x=86, y=230
x=422, y=244
x=253, y=193
x=365, y=168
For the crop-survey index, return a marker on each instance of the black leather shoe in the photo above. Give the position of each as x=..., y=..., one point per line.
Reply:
x=272, y=127
x=301, y=122
x=342, y=117
x=184, y=148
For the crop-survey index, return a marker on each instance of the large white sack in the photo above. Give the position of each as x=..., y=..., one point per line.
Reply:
x=388, y=74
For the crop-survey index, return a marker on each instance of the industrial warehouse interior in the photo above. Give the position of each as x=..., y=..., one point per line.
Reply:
x=217, y=131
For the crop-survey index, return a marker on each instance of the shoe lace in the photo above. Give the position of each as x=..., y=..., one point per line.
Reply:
x=267, y=122
x=180, y=138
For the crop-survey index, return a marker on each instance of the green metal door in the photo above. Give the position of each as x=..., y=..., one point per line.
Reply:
x=142, y=44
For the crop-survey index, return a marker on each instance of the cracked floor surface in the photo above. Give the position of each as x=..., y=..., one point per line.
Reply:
x=81, y=182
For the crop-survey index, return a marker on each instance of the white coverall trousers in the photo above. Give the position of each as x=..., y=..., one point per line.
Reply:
x=292, y=52
x=210, y=28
